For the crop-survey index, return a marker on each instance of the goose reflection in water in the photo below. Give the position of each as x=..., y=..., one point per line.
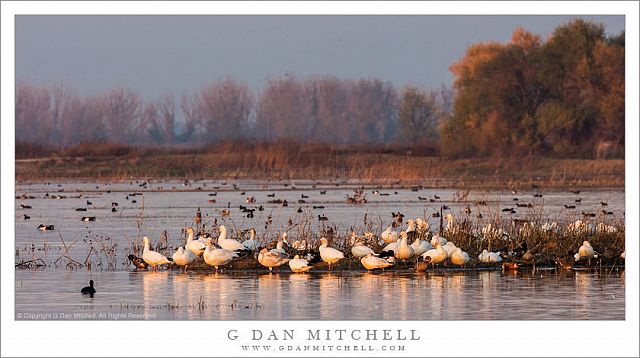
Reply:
x=154, y=285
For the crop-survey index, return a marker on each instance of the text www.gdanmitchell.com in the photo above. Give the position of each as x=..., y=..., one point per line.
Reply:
x=323, y=348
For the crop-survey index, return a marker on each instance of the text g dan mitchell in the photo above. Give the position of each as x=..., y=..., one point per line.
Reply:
x=325, y=335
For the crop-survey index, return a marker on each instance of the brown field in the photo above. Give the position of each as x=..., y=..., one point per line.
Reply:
x=368, y=164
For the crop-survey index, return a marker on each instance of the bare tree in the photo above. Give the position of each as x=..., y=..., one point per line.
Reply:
x=123, y=116
x=224, y=110
x=280, y=113
x=33, y=122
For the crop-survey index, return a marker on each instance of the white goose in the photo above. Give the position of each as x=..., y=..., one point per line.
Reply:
x=183, y=257
x=151, y=257
x=280, y=245
x=360, y=250
x=403, y=250
x=299, y=265
x=484, y=256
x=435, y=255
x=586, y=251
x=460, y=257
x=229, y=244
x=271, y=259
x=251, y=244
x=195, y=246
x=329, y=254
x=217, y=257
x=450, y=247
x=371, y=262
x=389, y=236
x=495, y=257
x=420, y=246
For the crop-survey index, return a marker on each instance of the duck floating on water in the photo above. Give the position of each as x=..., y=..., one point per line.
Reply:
x=89, y=290
x=43, y=227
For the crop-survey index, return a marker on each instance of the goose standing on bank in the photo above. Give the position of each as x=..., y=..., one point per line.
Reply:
x=272, y=258
x=299, y=265
x=371, y=262
x=586, y=251
x=183, y=257
x=151, y=257
x=329, y=254
x=217, y=257
x=229, y=244
x=197, y=247
x=404, y=251
x=435, y=255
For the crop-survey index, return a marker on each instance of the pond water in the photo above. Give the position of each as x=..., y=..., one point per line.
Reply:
x=168, y=295
x=171, y=206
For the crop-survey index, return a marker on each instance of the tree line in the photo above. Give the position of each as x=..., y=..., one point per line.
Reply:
x=560, y=97
x=320, y=109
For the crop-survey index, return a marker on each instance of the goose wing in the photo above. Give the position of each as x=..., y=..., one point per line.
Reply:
x=155, y=258
x=231, y=245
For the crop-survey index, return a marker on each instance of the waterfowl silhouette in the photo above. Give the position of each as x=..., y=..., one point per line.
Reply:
x=89, y=290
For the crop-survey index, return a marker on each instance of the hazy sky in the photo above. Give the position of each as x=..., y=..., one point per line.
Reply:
x=157, y=55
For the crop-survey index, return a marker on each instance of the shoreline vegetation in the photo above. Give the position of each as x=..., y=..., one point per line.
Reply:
x=382, y=165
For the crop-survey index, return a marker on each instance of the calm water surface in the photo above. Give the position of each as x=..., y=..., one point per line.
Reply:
x=487, y=295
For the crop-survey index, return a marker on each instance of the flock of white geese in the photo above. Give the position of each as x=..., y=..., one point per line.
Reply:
x=223, y=250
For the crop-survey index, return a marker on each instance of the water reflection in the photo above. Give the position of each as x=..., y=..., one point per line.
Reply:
x=331, y=296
